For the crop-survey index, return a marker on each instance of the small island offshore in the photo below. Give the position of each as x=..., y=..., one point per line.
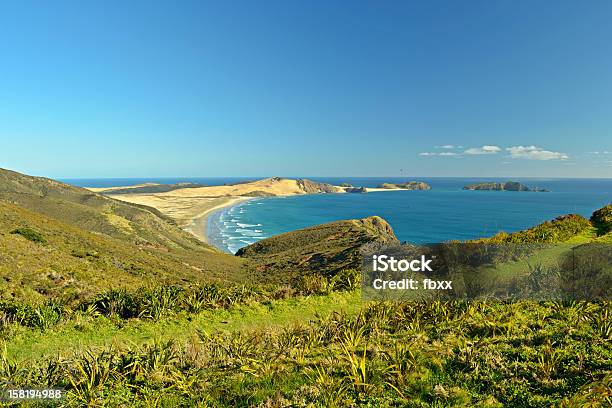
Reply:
x=409, y=185
x=507, y=186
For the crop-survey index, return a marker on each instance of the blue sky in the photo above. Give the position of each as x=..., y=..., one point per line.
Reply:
x=319, y=88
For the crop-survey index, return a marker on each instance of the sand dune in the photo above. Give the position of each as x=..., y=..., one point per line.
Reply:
x=270, y=186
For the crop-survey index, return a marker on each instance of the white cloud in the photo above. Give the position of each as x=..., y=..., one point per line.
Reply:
x=486, y=149
x=441, y=154
x=448, y=146
x=535, y=153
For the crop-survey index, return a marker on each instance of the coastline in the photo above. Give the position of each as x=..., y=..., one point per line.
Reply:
x=198, y=225
x=192, y=207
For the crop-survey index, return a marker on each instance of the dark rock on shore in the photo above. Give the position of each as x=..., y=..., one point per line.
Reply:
x=356, y=190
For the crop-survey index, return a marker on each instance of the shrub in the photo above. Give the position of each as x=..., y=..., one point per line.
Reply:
x=113, y=302
x=39, y=316
x=602, y=219
x=558, y=230
x=30, y=234
x=312, y=285
x=346, y=280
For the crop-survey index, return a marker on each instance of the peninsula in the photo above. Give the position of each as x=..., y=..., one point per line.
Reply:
x=190, y=205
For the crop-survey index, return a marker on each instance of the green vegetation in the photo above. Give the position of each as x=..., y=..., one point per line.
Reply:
x=86, y=328
x=74, y=263
x=560, y=229
x=321, y=250
x=30, y=234
x=164, y=301
x=602, y=219
x=522, y=354
x=93, y=212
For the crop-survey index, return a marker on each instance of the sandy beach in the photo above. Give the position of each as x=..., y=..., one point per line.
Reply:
x=198, y=225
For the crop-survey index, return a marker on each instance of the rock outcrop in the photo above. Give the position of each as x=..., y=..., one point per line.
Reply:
x=313, y=187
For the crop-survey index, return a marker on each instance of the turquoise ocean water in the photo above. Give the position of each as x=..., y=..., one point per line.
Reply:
x=443, y=213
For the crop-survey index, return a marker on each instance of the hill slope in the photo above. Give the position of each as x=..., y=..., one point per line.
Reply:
x=94, y=212
x=41, y=257
x=325, y=249
x=90, y=242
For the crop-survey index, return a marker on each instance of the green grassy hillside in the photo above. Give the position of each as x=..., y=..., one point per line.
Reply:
x=322, y=249
x=42, y=258
x=93, y=212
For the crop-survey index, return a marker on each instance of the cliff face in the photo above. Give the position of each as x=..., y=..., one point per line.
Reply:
x=324, y=249
x=312, y=187
x=507, y=186
x=409, y=185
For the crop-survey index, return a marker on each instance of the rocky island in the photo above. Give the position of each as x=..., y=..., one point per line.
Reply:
x=507, y=186
x=409, y=185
